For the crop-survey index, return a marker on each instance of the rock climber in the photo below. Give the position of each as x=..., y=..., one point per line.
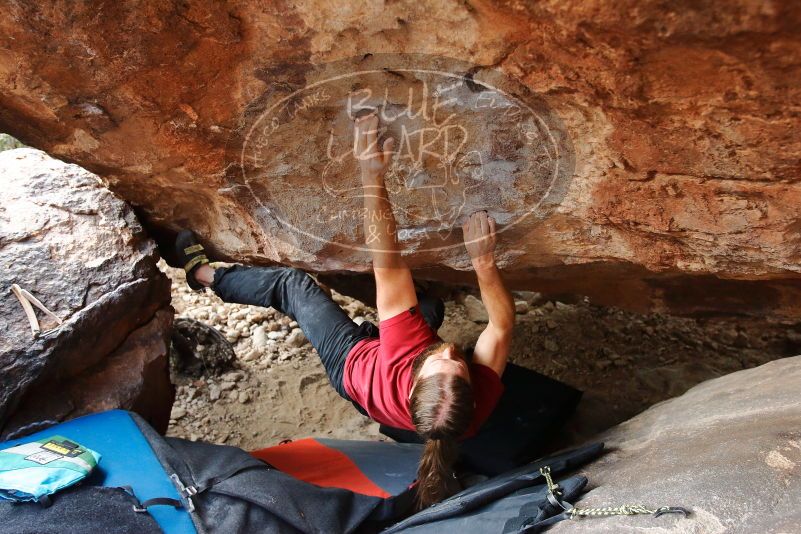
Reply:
x=400, y=374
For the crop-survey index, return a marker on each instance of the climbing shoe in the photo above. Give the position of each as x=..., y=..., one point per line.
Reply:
x=191, y=255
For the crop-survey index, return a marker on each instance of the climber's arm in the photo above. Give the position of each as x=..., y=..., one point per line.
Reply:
x=393, y=279
x=492, y=347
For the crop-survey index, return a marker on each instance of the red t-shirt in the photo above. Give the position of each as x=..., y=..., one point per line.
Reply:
x=378, y=372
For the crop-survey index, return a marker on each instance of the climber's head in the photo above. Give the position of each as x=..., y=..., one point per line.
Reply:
x=441, y=404
x=439, y=358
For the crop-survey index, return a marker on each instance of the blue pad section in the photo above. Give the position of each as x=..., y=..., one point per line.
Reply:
x=127, y=460
x=390, y=466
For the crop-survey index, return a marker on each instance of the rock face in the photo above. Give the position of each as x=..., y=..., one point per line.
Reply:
x=729, y=450
x=82, y=253
x=641, y=154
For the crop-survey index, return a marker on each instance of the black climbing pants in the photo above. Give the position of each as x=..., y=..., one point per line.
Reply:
x=294, y=293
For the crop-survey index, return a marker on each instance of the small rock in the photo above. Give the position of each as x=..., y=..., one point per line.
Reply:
x=602, y=364
x=177, y=412
x=259, y=337
x=276, y=335
x=551, y=324
x=742, y=341
x=521, y=306
x=252, y=354
x=531, y=297
x=296, y=338
x=550, y=345
x=227, y=385
x=232, y=336
x=475, y=309
x=244, y=397
x=233, y=376
x=214, y=392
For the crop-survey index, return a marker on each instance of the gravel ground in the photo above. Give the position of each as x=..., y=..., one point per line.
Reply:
x=624, y=362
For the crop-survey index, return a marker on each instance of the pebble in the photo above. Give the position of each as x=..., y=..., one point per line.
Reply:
x=521, y=306
x=177, y=412
x=214, y=392
x=276, y=335
x=602, y=364
x=227, y=385
x=251, y=355
x=550, y=345
x=259, y=337
x=531, y=297
x=244, y=397
x=233, y=376
x=475, y=310
x=296, y=338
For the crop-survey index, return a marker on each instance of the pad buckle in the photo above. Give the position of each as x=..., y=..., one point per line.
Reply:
x=187, y=492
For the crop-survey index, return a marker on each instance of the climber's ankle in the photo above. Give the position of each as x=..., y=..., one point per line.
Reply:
x=205, y=275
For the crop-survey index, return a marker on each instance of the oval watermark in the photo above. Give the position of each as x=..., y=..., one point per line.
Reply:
x=466, y=138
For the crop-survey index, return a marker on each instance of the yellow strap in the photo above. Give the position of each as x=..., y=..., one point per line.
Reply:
x=195, y=261
x=193, y=248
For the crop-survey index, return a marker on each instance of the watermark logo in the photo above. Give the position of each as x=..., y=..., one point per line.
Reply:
x=466, y=139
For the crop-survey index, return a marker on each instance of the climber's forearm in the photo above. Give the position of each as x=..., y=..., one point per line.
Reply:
x=393, y=279
x=380, y=233
x=494, y=294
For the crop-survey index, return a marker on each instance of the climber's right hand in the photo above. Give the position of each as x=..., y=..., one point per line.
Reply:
x=373, y=161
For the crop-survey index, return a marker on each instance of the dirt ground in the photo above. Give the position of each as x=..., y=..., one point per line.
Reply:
x=623, y=362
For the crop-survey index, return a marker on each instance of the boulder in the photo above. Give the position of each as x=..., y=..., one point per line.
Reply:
x=80, y=251
x=729, y=450
x=640, y=153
